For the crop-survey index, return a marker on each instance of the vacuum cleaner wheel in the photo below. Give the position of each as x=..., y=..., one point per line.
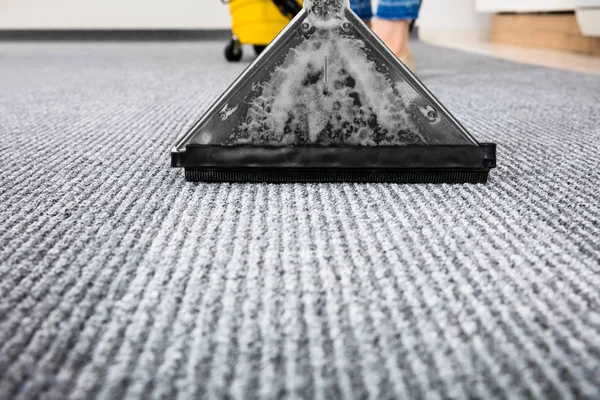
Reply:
x=258, y=49
x=233, y=50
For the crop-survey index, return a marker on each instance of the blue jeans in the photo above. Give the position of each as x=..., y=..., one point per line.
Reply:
x=387, y=9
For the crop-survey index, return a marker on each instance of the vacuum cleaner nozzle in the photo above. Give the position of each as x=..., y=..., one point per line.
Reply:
x=327, y=101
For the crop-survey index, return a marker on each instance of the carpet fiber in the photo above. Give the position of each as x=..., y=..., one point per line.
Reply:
x=118, y=279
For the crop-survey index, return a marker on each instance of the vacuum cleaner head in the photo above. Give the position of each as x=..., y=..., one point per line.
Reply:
x=327, y=101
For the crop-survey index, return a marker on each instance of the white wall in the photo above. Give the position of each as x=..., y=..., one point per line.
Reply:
x=113, y=14
x=449, y=16
x=452, y=18
x=525, y=5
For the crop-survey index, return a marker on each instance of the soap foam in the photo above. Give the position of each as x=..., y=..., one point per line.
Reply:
x=328, y=92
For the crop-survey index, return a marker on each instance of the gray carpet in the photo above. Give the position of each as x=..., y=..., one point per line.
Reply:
x=120, y=280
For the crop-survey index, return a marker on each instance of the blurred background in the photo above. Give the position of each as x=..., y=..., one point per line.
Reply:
x=556, y=33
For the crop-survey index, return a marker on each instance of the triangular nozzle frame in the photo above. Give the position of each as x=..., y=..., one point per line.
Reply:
x=328, y=101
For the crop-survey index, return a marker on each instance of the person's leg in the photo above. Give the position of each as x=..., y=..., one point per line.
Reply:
x=392, y=25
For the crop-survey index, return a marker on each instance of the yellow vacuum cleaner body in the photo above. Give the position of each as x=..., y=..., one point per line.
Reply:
x=257, y=21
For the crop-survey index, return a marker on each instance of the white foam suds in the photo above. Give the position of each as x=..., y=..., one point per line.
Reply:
x=326, y=24
x=327, y=91
x=205, y=137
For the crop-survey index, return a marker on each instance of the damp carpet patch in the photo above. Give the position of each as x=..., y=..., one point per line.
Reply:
x=119, y=279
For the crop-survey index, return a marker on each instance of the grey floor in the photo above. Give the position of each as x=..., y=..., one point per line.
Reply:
x=119, y=279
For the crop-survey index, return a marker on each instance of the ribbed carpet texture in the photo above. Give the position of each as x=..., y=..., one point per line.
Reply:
x=119, y=279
